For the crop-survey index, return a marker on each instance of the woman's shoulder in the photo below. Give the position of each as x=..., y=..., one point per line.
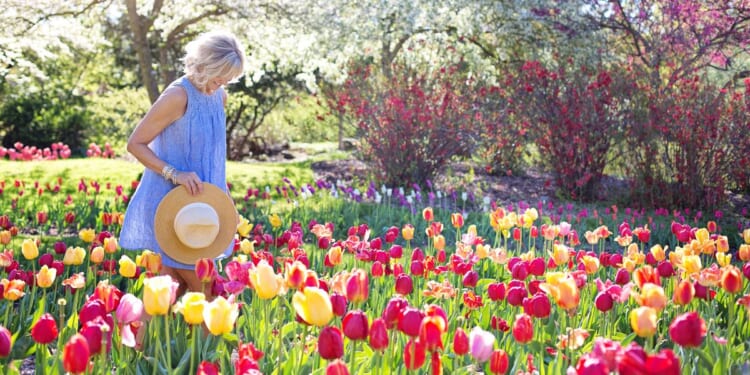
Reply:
x=174, y=94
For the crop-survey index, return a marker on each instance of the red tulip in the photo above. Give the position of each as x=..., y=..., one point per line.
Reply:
x=417, y=268
x=404, y=285
x=377, y=269
x=378, y=335
x=470, y=279
x=337, y=367
x=208, y=368
x=391, y=234
x=204, y=269
x=591, y=365
x=703, y=292
x=93, y=331
x=76, y=354
x=355, y=325
x=499, y=362
x=393, y=310
x=330, y=343
x=460, y=342
x=523, y=329
x=357, y=286
x=90, y=310
x=622, y=277
x=688, y=330
x=516, y=295
x=44, y=330
x=396, y=251
x=5, y=342
x=410, y=321
x=537, y=266
x=338, y=304
x=664, y=363
x=537, y=306
x=431, y=332
x=746, y=270
x=520, y=270
x=604, y=302
x=496, y=291
x=414, y=354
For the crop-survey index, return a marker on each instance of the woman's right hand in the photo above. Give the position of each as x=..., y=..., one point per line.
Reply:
x=190, y=181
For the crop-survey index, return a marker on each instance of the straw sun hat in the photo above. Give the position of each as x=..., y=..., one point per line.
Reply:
x=191, y=227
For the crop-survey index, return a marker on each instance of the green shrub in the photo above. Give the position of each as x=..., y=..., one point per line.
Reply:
x=114, y=115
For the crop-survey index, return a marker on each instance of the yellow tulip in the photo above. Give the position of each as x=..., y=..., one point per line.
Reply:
x=691, y=264
x=407, y=232
x=87, y=235
x=220, y=316
x=275, y=221
x=127, y=266
x=702, y=235
x=264, y=280
x=46, y=276
x=482, y=251
x=247, y=246
x=560, y=254
x=29, y=249
x=746, y=235
x=313, y=305
x=74, y=256
x=658, y=252
x=158, y=294
x=97, y=255
x=244, y=227
x=652, y=296
x=723, y=259
x=472, y=230
x=643, y=321
x=439, y=242
x=191, y=307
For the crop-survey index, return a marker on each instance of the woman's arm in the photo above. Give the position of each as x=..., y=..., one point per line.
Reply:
x=170, y=106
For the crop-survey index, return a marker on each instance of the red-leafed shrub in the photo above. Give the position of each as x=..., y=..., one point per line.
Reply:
x=688, y=143
x=574, y=117
x=412, y=123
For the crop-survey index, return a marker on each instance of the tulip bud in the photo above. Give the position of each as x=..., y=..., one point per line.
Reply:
x=622, y=277
x=643, y=321
x=208, y=368
x=523, y=329
x=460, y=342
x=404, y=284
x=688, y=330
x=604, y=302
x=427, y=214
x=377, y=269
x=44, y=330
x=410, y=321
x=414, y=354
x=5, y=342
x=378, y=335
x=337, y=367
x=330, y=343
x=470, y=279
x=355, y=325
x=496, y=291
x=357, y=286
x=76, y=354
x=499, y=362
x=731, y=280
x=338, y=304
x=204, y=269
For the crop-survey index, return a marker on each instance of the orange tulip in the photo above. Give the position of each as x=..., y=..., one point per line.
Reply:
x=13, y=289
x=591, y=264
x=683, y=293
x=744, y=252
x=457, y=220
x=731, y=279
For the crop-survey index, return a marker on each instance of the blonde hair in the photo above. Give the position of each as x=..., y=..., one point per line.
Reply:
x=214, y=54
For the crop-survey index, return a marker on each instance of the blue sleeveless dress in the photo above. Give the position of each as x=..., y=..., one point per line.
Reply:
x=195, y=142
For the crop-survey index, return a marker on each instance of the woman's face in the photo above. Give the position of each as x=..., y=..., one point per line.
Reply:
x=215, y=83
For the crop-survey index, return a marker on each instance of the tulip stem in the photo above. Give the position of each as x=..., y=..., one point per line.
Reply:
x=169, y=343
x=193, y=350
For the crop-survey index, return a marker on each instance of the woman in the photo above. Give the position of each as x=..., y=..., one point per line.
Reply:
x=182, y=141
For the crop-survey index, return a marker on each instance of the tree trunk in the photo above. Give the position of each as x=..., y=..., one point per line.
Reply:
x=139, y=26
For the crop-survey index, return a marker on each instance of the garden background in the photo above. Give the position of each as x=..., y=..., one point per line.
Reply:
x=447, y=179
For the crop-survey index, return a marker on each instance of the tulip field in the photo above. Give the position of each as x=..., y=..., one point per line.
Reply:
x=330, y=279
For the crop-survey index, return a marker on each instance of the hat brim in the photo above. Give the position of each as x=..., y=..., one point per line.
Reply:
x=175, y=200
